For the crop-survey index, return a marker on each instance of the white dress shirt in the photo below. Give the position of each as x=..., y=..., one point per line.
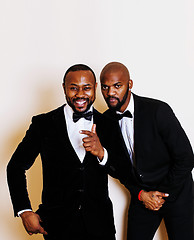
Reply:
x=73, y=130
x=127, y=128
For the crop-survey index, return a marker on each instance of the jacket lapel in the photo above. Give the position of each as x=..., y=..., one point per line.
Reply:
x=139, y=123
x=61, y=129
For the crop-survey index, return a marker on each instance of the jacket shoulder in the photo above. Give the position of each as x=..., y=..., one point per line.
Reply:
x=49, y=115
x=147, y=100
x=151, y=104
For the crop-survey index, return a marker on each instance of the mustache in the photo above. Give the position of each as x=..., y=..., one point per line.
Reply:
x=77, y=98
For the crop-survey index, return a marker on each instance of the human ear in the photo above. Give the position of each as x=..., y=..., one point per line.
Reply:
x=130, y=84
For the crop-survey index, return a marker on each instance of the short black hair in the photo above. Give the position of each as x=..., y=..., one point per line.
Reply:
x=79, y=67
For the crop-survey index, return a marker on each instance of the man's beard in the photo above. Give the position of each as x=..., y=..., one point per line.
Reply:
x=120, y=103
x=70, y=103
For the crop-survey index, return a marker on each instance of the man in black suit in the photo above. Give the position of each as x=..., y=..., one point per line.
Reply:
x=75, y=202
x=155, y=162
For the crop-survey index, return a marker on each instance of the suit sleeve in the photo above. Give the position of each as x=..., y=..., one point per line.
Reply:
x=179, y=149
x=22, y=159
x=118, y=164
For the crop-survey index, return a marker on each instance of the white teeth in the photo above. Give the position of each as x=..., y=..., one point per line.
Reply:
x=80, y=101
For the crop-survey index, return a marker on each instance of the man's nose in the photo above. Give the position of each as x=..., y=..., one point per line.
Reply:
x=80, y=93
x=111, y=92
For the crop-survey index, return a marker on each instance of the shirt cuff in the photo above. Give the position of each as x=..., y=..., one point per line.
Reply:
x=25, y=210
x=105, y=158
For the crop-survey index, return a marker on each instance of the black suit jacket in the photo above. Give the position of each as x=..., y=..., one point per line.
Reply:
x=163, y=154
x=68, y=184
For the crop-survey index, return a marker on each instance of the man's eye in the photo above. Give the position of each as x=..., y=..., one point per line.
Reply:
x=73, y=88
x=104, y=87
x=87, y=88
x=118, y=86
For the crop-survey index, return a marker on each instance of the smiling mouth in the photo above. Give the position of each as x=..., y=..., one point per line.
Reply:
x=80, y=102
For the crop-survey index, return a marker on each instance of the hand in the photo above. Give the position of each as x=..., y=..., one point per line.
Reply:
x=92, y=143
x=31, y=222
x=153, y=200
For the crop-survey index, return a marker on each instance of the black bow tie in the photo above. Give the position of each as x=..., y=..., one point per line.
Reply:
x=125, y=114
x=87, y=116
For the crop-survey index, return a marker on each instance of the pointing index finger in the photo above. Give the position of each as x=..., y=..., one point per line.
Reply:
x=86, y=132
x=94, y=128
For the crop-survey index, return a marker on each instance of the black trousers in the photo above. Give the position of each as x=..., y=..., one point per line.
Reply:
x=76, y=232
x=177, y=215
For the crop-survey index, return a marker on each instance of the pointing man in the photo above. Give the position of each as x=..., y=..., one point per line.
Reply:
x=75, y=202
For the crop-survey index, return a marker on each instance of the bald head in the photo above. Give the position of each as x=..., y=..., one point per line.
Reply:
x=114, y=67
x=116, y=86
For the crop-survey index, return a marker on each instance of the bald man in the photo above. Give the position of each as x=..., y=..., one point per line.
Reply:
x=156, y=159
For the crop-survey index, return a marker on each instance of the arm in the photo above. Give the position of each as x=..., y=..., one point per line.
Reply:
x=179, y=149
x=176, y=143
x=22, y=159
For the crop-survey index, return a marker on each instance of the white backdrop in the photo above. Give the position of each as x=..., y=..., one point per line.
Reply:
x=40, y=39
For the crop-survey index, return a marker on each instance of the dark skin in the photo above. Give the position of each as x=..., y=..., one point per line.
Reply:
x=32, y=223
x=116, y=88
x=79, y=89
